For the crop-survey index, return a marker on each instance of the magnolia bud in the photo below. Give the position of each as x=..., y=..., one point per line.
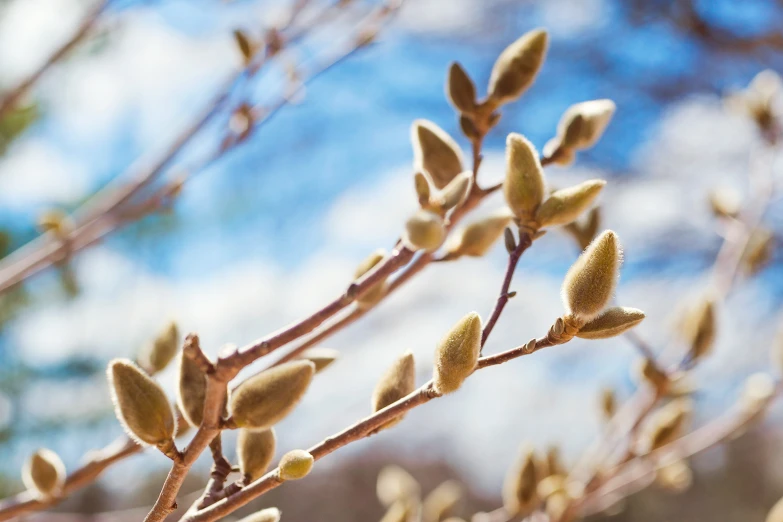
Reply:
x=158, y=354
x=758, y=251
x=565, y=205
x=245, y=46
x=255, y=450
x=457, y=354
x=441, y=500
x=520, y=495
x=608, y=403
x=320, y=357
x=611, y=322
x=478, y=237
x=456, y=191
x=524, y=184
x=422, y=189
x=675, y=476
x=460, y=89
x=517, y=66
x=666, y=425
x=589, y=284
x=435, y=152
x=397, y=382
x=265, y=515
x=44, y=473
x=192, y=391
x=376, y=291
x=424, y=230
x=583, y=124
x=395, y=484
x=141, y=405
x=295, y=464
x=267, y=398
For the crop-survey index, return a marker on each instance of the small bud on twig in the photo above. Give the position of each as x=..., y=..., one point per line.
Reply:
x=457, y=354
x=397, y=382
x=520, y=495
x=517, y=66
x=375, y=293
x=320, y=357
x=460, y=89
x=156, y=355
x=424, y=231
x=611, y=322
x=192, y=391
x=565, y=205
x=589, y=284
x=478, y=237
x=524, y=183
x=295, y=464
x=255, y=450
x=581, y=126
x=44, y=473
x=436, y=152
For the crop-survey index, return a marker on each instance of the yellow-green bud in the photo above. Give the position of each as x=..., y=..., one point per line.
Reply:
x=524, y=185
x=141, y=404
x=424, y=231
x=457, y=354
x=395, y=484
x=267, y=398
x=255, y=450
x=436, y=152
x=320, y=357
x=520, y=494
x=295, y=464
x=565, y=205
x=44, y=473
x=397, y=382
x=590, y=282
x=159, y=353
x=460, y=89
x=478, y=237
x=517, y=66
x=441, y=501
x=374, y=293
x=674, y=476
x=725, y=202
x=758, y=250
x=265, y=515
x=583, y=123
x=611, y=322
x=192, y=391
x=456, y=191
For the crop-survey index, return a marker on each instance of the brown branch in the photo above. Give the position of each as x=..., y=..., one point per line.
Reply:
x=13, y=95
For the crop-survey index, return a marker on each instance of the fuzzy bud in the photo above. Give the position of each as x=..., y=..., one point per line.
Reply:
x=265, y=515
x=611, y=322
x=674, y=476
x=255, y=450
x=565, y=205
x=666, y=425
x=397, y=382
x=376, y=291
x=460, y=89
x=589, y=284
x=159, y=353
x=583, y=123
x=478, y=237
x=192, y=391
x=457, y=354
x=436, y=152
x=44, y=473
x=245, y=45
x=295, y=464
x=422, y=187
x=520, y=496
x=517, y=66
x=267, y=398
x=524, y=184
x=424, y=231
x=320, y=357
x=700, y=329
x=395, y=484
x=456, y=191
x=141, y=405
x=441, y=501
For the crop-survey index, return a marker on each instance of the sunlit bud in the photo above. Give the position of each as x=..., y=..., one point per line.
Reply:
x=374, y=293
x=700, y=329
x=255, y=450
x=192, y=391
x=398, y=381
x=468, y=127
x=436, y=152
x=267, y=398
x=565, y=205
x=758, y=391
x=758, y=251
x=44, y=473
x=141, y=405
x=457, y=354
x=519, y=489
x=674, y=476
x=395, y=484
x=156, y=355
x=441, y=501
x=666, y=425
x=590, y=282
x=646, y=371
x=725, y=202
x=517, y=66
x=524, y=183
x=456, y=191
x=460, y=89
x=478, y=237
x=320, y=357
x=246, y=47
x=295, y=464
x=557, y=504
x=424, y=231
x=608, y=403
x=583, y=124
x=611, y=322
x=265, y=515
x=422, y=189
x=509, y=240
